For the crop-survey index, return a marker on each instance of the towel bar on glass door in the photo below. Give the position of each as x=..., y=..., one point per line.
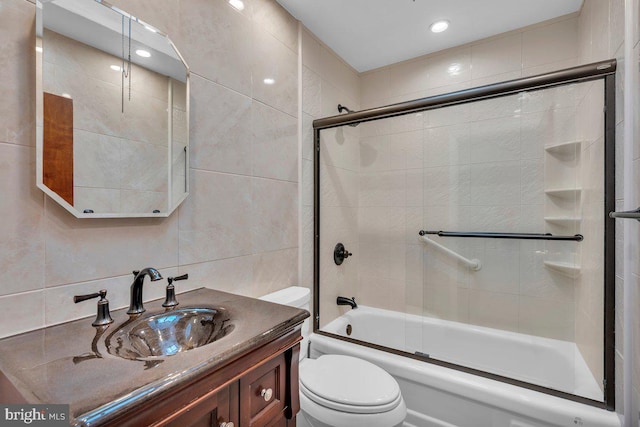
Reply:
x=473, y=264
x=524, y=236
x=635, y=214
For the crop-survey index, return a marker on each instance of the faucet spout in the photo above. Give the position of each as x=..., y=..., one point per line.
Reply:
x=347, y=301
x=135, y=306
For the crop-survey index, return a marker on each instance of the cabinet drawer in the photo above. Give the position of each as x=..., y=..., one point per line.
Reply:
x=262, y=392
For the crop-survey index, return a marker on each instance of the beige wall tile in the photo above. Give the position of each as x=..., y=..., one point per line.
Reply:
x=26, y=311
x=274, y=146
x=101, y=200
x=214, y=40
x=311, y=93
x=273, y=60
x=274, y=270
x=600, y=36
x=274, y=215
x=548, y=318
x=220, y=137
x=22, y=248
x=452, y=67
x=215, y=218
x=335, y=70
x=550, y=43
x=493, y=310
x=80, y=250
x=497, y=56
x=59, y=305
x=311, y=51
x=374, y=86
x=17, y=111
x=276, y=20
x=409, y=77
x=229, y=275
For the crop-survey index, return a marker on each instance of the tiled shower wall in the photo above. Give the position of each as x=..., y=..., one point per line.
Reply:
x=486, y=160
x=238, y=229
x=326, y=82
x=602, y=36
x=476, y=167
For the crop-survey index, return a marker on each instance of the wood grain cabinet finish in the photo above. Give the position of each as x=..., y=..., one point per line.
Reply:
x=256, y=390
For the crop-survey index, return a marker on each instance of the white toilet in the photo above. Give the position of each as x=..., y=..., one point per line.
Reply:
x=341, y=391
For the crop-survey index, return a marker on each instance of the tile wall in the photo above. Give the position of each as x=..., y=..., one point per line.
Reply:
x=475, y=166
x=602, y=35
x=326, y=82
x=237, y=231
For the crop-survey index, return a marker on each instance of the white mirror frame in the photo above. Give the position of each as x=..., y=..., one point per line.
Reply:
x=172, y=205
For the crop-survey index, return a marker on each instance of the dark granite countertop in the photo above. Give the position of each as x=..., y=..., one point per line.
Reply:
x=59, y=364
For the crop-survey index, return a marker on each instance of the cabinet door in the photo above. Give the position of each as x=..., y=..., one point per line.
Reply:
x=209, y=410
x=262, y=393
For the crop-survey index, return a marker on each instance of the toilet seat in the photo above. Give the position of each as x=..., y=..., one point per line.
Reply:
x=348, y=384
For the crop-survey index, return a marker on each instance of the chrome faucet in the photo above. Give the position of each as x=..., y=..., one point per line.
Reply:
x=136, y=307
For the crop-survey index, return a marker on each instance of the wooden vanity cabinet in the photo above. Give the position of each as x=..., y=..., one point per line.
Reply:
x=260, y=389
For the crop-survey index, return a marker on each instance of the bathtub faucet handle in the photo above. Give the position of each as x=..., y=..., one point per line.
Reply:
x=340, y=253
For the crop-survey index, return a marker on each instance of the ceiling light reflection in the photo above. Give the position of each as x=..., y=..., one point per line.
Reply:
x=439, y=26
x=238, y=4
x=143, y=53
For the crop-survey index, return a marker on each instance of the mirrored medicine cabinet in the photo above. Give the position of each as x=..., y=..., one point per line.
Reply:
x=112, y=112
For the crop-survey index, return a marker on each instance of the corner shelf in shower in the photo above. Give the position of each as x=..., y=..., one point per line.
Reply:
x=564, y=192
x=563, y=147
x=566, y=268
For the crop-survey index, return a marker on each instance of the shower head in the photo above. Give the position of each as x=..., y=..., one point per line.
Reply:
x=342, y=108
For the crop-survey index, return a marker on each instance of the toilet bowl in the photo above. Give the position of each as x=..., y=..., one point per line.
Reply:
x=344, y=391
x=341, y=391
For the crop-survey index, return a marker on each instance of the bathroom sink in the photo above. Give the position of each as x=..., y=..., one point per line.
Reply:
x=169, y=333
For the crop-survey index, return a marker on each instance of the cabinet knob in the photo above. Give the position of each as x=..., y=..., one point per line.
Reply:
x=266, y=394
x=229, y=424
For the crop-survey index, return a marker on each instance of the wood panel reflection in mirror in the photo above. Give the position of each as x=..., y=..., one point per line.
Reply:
x=127, y=130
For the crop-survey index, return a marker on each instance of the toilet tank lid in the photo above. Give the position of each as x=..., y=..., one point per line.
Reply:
x=295, y=296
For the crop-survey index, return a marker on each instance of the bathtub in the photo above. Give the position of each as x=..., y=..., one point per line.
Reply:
x=443, y=397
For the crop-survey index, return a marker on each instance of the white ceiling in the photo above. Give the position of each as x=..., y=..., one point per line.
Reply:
x=372, y=33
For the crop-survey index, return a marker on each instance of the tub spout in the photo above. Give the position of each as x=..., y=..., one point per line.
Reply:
x=347, y=301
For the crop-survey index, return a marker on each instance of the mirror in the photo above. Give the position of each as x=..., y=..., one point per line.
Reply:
x=112, y=112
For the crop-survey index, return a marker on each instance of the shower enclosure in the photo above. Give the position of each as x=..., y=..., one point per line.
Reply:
x=477, y=228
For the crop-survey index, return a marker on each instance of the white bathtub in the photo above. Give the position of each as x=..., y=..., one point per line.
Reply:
x=438, y=396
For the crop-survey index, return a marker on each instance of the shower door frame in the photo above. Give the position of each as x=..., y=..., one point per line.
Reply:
x=589, y=72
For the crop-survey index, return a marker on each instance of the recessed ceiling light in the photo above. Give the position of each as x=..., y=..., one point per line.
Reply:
x=454, y=69
x=439, y=26
x=238, y=4
x=269, y=81
x=143, y=53
x=115, y=68
x=66, y=95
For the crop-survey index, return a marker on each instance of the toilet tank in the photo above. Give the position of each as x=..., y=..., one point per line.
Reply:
x=295, y=296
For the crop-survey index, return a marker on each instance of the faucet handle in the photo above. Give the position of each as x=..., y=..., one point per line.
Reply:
x=170, y=299
x=183, y=277
x=103, y=317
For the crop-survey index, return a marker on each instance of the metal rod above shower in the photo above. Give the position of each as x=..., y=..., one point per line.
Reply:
x=491, y=235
